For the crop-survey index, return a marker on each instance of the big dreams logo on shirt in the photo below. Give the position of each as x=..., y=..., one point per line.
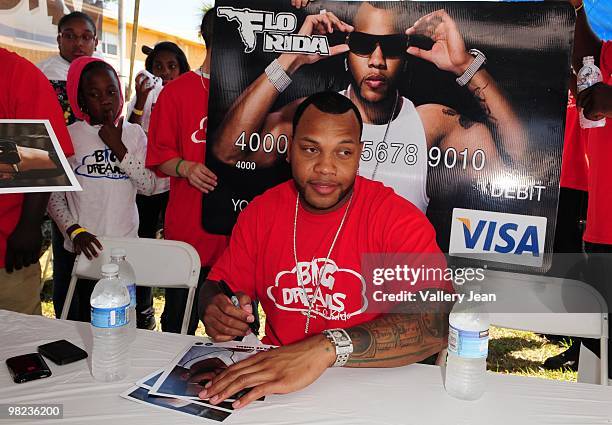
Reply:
x=336, y=293
x=101, y=163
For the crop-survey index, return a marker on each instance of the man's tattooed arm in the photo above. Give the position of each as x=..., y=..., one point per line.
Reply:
x=508, y=131
x=398, y=339
x=464, y=121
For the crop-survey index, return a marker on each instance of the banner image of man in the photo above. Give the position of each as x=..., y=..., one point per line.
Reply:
x=375, y=60
x=463, y=146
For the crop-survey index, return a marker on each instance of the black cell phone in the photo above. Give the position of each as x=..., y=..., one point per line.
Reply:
x=62, y=352
x=27, y=367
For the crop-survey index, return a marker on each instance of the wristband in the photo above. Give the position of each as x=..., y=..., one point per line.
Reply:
x=277, y=76
x=479, y=60
x=178, y=164
x=76, y=232
x=137, y=112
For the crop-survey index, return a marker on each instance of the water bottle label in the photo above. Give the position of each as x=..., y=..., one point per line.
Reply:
x=109, y=317
x=132, y=291
x=469, y=344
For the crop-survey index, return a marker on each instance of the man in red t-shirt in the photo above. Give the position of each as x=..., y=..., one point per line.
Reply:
x=176, y=148
x=26, y=94
x=298, y=248
x=596, y=102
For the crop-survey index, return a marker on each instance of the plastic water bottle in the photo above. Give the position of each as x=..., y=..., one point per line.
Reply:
x=468, y=345
x=589, y=75
x=109, y=309
x=128, y=277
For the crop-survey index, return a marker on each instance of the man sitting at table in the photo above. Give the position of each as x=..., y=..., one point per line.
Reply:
x=319, y=224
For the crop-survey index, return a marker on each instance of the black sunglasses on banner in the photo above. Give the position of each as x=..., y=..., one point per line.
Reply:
x=363, y=44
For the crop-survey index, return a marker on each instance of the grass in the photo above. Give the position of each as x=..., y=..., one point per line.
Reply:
x=510, y=351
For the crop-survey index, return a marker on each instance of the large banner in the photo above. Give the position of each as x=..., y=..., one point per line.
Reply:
x=463, y=103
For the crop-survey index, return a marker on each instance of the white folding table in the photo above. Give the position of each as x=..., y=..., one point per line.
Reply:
x=408, y=395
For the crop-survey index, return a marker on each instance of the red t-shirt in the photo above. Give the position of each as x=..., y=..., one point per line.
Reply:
x=25, y=94
x=259, y=260
x=599, y=148
x=575, y=165
x=178, y=129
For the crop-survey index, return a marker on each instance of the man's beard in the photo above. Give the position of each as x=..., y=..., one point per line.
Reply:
x=344, y=195
x=376, y=112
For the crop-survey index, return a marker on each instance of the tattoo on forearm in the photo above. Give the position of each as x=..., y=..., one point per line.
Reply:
x=362, y=340
x=464, y=121
x=480, y=95
x=396, y=337
x=435, y=325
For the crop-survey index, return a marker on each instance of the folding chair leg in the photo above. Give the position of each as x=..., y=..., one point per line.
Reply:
x=188, y=308
x=68, y=299
x=48, y=262
x=603, y=357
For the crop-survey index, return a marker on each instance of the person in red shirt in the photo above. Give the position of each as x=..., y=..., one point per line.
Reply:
x=298, y=249
x=596, y=102
x=176, y=148
x=26, y=94
x=571, y=214
x=574, y=181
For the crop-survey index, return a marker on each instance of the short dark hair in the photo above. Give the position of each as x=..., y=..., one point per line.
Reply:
x=329, y=102
x=167, y=46
x=75, y=15
x=206, y=28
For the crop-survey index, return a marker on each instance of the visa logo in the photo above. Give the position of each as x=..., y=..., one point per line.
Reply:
x=507, y=232
x=501, y=237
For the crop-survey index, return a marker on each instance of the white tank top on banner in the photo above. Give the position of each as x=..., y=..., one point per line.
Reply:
x=403, y=161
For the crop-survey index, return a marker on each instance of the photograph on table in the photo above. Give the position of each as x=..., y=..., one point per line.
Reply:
x=31, y=159
x=463, y=105
x=141, y=395
x=150, y=380
x=187, y=374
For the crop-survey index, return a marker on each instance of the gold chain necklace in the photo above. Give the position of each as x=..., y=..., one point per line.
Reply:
x=384, y=140
x=297, y=269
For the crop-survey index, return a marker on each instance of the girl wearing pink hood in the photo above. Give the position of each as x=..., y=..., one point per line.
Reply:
x=108, y=162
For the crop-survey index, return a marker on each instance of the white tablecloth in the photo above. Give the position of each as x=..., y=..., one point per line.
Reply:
x=408, y=395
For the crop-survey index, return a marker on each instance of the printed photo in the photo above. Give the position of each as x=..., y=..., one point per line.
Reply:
x=186, y=376
x=141, y=395
x=31, y=159
x=149, y=381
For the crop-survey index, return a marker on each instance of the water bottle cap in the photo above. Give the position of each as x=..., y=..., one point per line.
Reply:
x=118, y=252
x=588, y=59
x=110, y=268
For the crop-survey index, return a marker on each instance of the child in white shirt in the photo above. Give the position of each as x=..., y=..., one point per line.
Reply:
x=108, y=162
